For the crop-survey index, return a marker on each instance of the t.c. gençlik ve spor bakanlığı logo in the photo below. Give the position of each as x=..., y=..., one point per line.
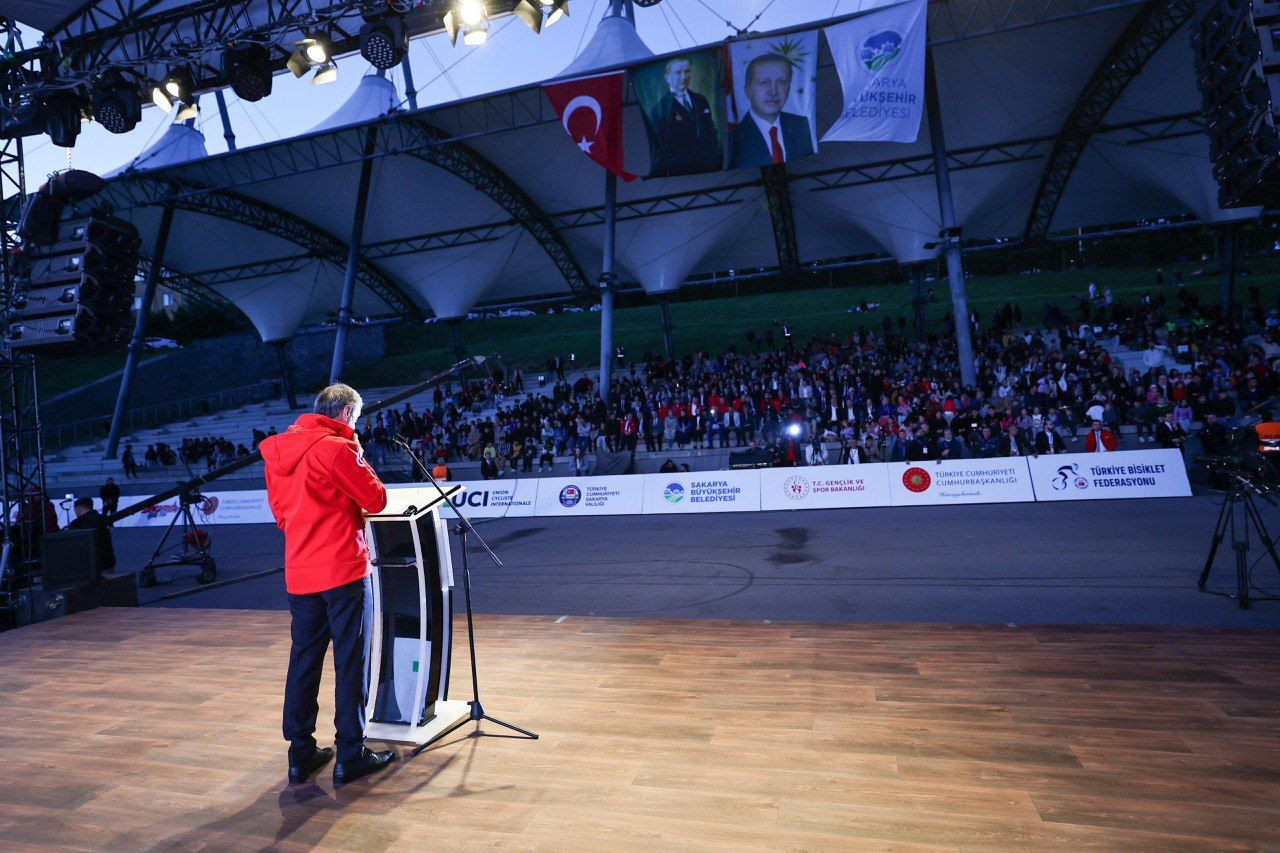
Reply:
x=796, y=487
x=570, y=495
x=673, y=493
x=880, y=48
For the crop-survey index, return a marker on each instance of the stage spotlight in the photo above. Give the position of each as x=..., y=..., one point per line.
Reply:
x=384, y=40
x=187, y=111
x=472, y=12
x=248, y=70
x=530, y=11
x=557, y=10
x=62, y=111
x=794, y=430
x=326, y=73
x=476, y=34
x=178, y=85
x=315, y=49
x=116, y=104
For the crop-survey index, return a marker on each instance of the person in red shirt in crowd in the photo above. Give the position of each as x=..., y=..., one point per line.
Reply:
x=319, y=488
x=1100, y=439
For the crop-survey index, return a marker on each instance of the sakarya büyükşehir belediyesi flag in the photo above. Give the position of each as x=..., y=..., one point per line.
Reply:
x=880, y=58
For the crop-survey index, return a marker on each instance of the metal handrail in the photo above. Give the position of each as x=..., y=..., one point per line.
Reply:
x=89, y=429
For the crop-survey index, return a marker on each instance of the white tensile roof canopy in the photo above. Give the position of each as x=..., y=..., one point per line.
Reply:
x=489, y=200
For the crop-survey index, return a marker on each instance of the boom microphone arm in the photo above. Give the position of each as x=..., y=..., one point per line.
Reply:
x=193, y=485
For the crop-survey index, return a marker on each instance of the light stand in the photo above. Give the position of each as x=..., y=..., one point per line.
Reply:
x=461, y=530
x=1240, y=497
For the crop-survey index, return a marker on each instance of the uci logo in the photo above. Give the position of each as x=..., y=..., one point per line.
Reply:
x=570, y=496
x=879, y=49
x=473, y=499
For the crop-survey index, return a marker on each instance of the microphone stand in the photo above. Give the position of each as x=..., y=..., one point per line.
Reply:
x=462, y=529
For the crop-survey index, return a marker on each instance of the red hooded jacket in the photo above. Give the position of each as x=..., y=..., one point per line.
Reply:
x=317, y=485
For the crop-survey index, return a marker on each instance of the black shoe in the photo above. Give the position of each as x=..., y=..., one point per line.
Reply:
x=301, y=773
x=368, y=763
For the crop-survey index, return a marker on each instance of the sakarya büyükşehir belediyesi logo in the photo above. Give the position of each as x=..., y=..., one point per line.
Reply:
x=673, y=493
x=570, y=495
x=879, y=49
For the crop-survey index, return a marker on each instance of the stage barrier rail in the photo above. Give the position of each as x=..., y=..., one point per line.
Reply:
x=1065, y=477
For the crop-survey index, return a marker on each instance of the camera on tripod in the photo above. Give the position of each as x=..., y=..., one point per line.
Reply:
x=1246, y=472
x=1247, y=463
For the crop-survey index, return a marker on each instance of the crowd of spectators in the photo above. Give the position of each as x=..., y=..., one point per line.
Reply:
x=880, y=395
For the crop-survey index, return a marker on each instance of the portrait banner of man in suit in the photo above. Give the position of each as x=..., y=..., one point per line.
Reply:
x=771, y=100
x=682, y=102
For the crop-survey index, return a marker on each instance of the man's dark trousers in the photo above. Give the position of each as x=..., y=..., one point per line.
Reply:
x=341, y=615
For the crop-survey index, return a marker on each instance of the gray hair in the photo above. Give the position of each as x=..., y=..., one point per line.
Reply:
x=332, y=400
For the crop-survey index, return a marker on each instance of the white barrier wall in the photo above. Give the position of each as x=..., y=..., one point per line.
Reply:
x=1106, y=476
x=707, y=491
x=960, y=481
x=619, y=495
x=491, y=498
x=824, y=487
x=1075, y=476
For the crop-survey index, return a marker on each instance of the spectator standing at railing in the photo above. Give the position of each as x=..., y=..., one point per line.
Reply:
x=129, y=464
x=109, y=493
x=1049, y=442
x=1169, y=434
x=950, y=446
x=986, y=444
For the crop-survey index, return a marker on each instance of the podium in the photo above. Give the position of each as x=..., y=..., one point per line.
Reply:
x=412, y=633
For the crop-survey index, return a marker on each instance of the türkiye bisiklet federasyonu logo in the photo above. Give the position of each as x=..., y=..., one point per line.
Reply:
x=879, y=49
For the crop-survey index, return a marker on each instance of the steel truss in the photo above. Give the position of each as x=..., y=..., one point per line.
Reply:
x=1152, y=26
x=1145, y=131
x=782, y=216
x=136, y=35
x=23, y=492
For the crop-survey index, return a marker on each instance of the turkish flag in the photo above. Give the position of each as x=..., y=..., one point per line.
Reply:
x=590, y=110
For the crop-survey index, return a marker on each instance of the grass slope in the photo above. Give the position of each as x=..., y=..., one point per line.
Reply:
x=417, y=351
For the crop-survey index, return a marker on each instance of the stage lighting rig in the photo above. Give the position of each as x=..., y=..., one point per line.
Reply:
x=326, y=73
x=471, y=18
x=316, y=50
x=116, y=103
x=555, y=9
x=384, y=38
x=178, y=86
x=63, y=111
x=248, y=71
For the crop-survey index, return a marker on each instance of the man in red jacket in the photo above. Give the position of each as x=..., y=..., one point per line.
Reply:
x=1100, y=439
x=319, y=488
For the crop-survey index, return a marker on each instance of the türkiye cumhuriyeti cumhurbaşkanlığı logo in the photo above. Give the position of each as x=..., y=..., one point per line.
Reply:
x=880, y=48
x=673, y=493
x=796, y=487
x=570, y=495
x=916, y=479
x=1069, y=474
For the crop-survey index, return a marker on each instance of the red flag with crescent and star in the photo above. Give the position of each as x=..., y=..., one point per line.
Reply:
x=590, y=110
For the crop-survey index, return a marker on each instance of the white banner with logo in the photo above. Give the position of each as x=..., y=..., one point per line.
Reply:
x=249, y=507
x=880, y=59
x=1104, y=476
x=707, y=491
x=824, y=487
x=960, y=481
x=489, y=498
x=618, y=495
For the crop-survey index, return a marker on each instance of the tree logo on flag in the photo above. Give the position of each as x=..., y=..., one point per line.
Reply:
x=879, y=49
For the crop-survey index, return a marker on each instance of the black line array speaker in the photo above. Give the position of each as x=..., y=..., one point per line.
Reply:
x=1237, y=65
x=78, y=290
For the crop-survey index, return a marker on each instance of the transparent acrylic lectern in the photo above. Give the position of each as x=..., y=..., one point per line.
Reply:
x=412, y=635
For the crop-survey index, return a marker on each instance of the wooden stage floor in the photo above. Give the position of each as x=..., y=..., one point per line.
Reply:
x=141, y=729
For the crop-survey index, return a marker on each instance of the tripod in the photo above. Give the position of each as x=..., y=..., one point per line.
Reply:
x=461, y=530
x=1239, y=499
x=191, y=537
